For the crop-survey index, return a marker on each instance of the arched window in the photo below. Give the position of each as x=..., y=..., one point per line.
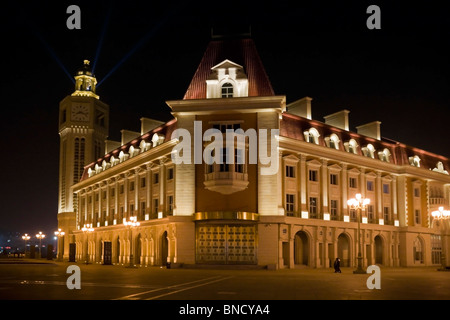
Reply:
x=312, y=135
x=351, y=146
x=385, y=155
x=121, y=156
x=144, y=146
x=369, y=151
x=414, y=161
x=227, y=90
x=131, y=151
x=332, y=141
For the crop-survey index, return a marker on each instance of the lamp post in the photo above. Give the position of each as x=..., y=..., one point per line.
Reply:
x=40, y=236
x=25, y=237
x=59, y=234
x=131, y=224
x=441, y=214
x=86, y=230
x=358, y=203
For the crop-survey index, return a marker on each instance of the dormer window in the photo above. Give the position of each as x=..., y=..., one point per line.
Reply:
x=369, y=151
x=227, y=80
x=227, y=90
x=351, y=146
x=414, y=161
x=332, y=141
x=385, y=155
x=312, y=136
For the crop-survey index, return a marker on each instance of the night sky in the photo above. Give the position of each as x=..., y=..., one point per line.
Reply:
x=146, y=53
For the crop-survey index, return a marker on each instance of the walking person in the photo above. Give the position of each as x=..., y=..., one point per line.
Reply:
x=337, y=265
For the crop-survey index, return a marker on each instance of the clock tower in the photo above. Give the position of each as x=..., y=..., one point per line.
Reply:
x=83, y=129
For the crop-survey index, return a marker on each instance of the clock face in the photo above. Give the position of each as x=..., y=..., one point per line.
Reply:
x=80, y=113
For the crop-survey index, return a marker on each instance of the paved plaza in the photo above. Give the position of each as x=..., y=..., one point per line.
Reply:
x=48, y=281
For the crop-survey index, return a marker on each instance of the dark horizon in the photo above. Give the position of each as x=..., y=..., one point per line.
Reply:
x=148, y=53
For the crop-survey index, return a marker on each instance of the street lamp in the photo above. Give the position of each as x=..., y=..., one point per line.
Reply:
x=358, y=203
x=441, y=214
x=25, y=237
x=131, y=224
x=40, y=236
x=60, y=234
x=87, y=229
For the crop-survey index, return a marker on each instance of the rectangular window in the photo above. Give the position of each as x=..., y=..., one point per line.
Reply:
x=170, y=174
x=313, y=207
x=370, y=214
x=334, y=209
x=370, y=186
x=436, y=249
x=223, y=127
x=290, y=173
x=416, y=192
x=113, y=191
x=313, y=175
x=170, y=204
x=417, y=216
x=156, y=178
x=352, y=183
x=290, y=204
x=104, y=195
x=386, y=215
x=353, y=215
x=131, y=185
x=155, y=207
x=334, y=179
x=238, y=160
x=131, y=209
x=90, y=199
x=143, y=182
x=386, y=188
x=224, y=167
x=142, y=213
x=96, y=197
x=121, y=189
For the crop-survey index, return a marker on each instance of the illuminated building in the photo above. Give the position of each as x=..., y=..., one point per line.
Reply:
x=232, y=213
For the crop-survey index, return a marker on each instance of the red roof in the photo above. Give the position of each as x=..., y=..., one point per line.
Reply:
x=293, y=126
x=240, y=51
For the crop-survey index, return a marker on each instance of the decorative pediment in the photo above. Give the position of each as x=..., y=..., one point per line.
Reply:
x=371, y=174
x=313, y=163
x=353, y=171
x=226, y=64
x=290, y=158
x=334, y=167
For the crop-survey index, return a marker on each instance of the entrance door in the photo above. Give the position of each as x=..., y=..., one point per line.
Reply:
x=344, y=250
x=301, y=248
x=164, y=248
x=378, y=250
x=226, y=244
x=286, y=253
x=107, y=252
x=72, y=251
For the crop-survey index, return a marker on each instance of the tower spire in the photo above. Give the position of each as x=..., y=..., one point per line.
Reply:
x=85, y=81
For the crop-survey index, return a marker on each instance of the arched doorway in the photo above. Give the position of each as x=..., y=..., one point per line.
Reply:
x=301, y=248
x=137, y=251
x=118, y=250
x=378, y=250
x=418, y=250
x=164, y=248
x=344, y=250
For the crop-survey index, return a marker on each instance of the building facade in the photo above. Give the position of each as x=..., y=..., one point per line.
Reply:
x=279, y=197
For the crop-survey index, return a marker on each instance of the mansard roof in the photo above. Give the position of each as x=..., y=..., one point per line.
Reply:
x=239, y=51
x=293, y=126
